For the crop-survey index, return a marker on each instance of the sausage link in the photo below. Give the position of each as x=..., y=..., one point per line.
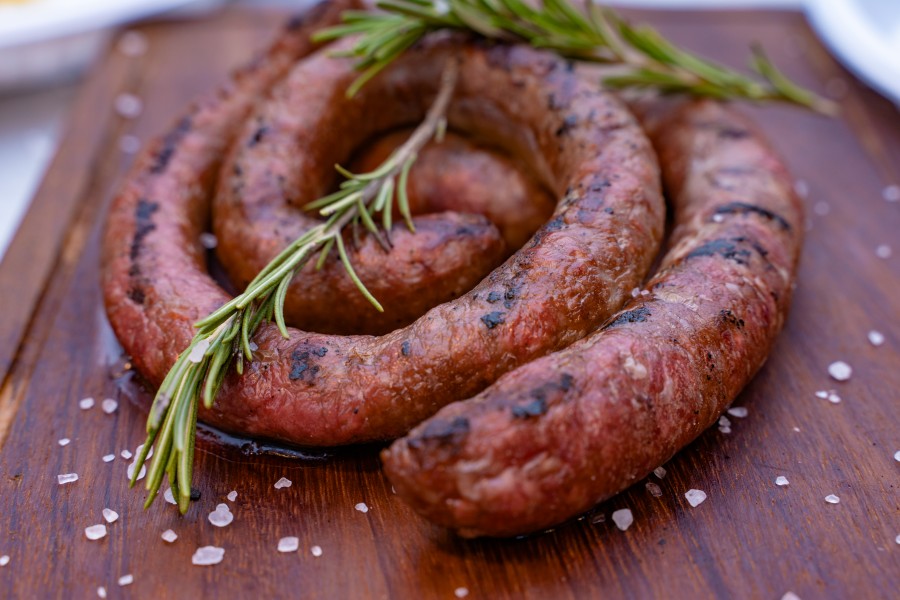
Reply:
x=552, y=438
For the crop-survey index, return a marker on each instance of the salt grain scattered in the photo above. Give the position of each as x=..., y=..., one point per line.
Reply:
x=129, y=106
x=288, y=544
x=797, y=429
x=101, y=592
x=126, y=454
x=169, y=536
x=840, y=371
x=897, y=539
x=461, y=592
x=4, y=560
x=316, y=551
x=790, y=596
x=636, y=292
x=654, y=489
x=695, y=497
x=208, y=555
x=822, y=394
x=801, y=188
x=86, y=403
x=140, y=448
x=169, y=496
x=129, y=144
x=834, y=398
x=95, y=532
x=67, y=478
x=441, y=7
x=208, y=241
x=64, y=441
x=222, y=516
x=126, y=580
x=660, y=472
x=109, y=406
x=821, y=208
x=724, y=429
x=133, y=44
x=623, y=518
x=361, y=507
x=109, y=458
x=232, y=496
x=724, y=421
x=198, y=351
x=781, y=480
x=897, y=455
x=110, y=515
x=717, y=218
x=130, y=471
x=876, y=338
x=832, y=499
x=738, y=411
x=891, y=193
x=883, y=251
x=284, y=482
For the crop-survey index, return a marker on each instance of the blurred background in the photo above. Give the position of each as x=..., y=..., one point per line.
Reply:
x=46, y=46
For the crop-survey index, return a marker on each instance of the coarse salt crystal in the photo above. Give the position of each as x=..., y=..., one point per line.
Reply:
x=109, y=457
x=781, y=480
x=660, y=472
x=441, y=7
x=101, y=592
x=140, y=448
x=801, y=188
x=288, y=544
x=4, y=560
x=790, y=596
x=64, y=441
x=208, y=240
x=126, y=580
x=636, y=292
x=822, y=394
x=316, y=551
x=883, y=251
x=821, y=208
x=232, y=496
x=284, y=482
x=130, y=471
x=834, y=398
x=724, y=421
x=797, y=429
x=361, y=507
x=839, y=370
x=129, y=106
x=169, y=536
x=222, y=516
x=86, y=403
x=126, y=454
x=95, y=532
x=897, y=455
x=897, y=539
x=695, y=497
x=832, y=499
x=110, y=515
x=461, y=592
x=623, y=518
x=109, y=406
x=738, y=411
x=876, y=338
x=208, y=555
x=891, y=193
x=169, y=496
x=717, y=218
x=129, y=144
x=133, y=44
x=724, y=429
x=198, y=351
x=654, y=489
x=67, y=478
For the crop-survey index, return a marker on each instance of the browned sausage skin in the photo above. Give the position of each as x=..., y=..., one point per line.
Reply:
x=328, y=390
x=552, y=438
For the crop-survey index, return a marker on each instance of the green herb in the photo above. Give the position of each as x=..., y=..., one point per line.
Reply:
x=223, y=338
x=642, y=57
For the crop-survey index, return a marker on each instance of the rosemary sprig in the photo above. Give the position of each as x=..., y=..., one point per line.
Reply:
x=589, y=32
x=224, y=336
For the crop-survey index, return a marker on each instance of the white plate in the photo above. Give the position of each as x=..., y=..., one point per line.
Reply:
x=865, y=36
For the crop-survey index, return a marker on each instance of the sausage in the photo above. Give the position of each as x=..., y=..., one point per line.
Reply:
x=554, y=437
x=316, y=389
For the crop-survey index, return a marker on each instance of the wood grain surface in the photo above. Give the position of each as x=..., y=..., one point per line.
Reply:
x=749, y=539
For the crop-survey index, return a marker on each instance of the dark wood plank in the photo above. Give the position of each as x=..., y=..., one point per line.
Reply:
x=750, y=539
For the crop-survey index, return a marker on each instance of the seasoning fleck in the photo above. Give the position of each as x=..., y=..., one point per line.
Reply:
x=461, y=592
x=86, y=403
x=695, y=497
x=897, y=455
x=832, y=499
x=738, y=411
x=822, y=394
x=4, y=560
x=198, y=351
x=208, y=555
x=222, y=516
x=101, y=592
x=109, y=458
x=623, y=518
x=316, y=551
x=883, y=251
x=834, y=398
x=284, y=482
x=876, y=338
x=169, y=536
x=126, y=580
x=660, y=472
x=790, y=596
x=109, y=406
x=654, y=489
x=64, y=441
x=288, y=544
x=169, y=496
x=129, y=106
x=126, y=454
x=361, y=507
x=110, y=515
x=67, y=478
x=840, y=371
x=232, y=496
x=95, y=532
x=781, y=480
x=130, y=471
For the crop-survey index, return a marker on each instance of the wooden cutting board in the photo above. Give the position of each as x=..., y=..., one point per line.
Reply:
x=750, y=539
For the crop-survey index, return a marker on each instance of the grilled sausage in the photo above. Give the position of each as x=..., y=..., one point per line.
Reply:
x=327, y=390
x=552, y=438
